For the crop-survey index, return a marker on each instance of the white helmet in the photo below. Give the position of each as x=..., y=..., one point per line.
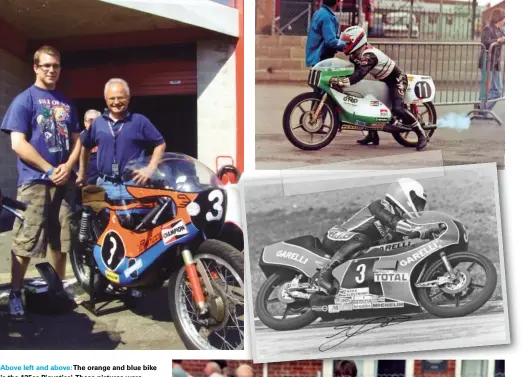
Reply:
x=355, y=37
x=408, y=196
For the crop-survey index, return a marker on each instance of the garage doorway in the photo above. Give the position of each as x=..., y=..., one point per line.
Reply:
x=175, y=116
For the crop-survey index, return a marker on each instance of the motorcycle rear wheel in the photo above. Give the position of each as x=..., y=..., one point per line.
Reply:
x=267, y=318
x=180, y=302
x=288, y=127
x=489, y=287
x=405, y=138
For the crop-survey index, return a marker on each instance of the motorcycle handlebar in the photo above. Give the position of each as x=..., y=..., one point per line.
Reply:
x=14, y=204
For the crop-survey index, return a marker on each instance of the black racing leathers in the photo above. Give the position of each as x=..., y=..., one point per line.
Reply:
x=396, y=80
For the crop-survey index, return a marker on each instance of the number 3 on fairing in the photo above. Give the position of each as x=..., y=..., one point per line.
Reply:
x=361, y=268
x=217, y=211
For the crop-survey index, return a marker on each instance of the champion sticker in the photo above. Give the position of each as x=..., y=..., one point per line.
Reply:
x=173, y=231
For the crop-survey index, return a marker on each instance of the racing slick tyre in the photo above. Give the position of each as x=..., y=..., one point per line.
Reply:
x=454, y=259
x=409, y=139
x=280, y=324
x=225, y=270
x=306, y=126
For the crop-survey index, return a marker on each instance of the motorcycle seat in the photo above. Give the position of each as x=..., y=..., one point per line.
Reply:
x=311, y=243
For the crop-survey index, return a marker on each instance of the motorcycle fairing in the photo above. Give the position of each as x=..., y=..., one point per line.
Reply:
x=293, y=256
x=420, y=89
x=360, y=272
x=118, y=246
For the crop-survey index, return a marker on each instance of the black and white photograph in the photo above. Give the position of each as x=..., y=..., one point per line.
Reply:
x=413, y=263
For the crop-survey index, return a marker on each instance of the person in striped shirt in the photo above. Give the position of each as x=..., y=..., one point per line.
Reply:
x=369, y=59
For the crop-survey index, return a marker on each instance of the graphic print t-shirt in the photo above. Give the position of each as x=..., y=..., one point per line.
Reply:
x=47, y=119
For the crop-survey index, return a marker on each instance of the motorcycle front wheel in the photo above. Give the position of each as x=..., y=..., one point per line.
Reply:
x=409, y=139
x=299, y=312
x=458, y=298
x=224, y=266
x=299, y=128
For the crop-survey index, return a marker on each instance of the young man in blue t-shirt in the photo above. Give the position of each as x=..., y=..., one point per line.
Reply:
x=120, y=137
x=44, y=132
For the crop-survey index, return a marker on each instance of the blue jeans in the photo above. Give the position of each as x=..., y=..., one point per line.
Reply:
x=496, y=89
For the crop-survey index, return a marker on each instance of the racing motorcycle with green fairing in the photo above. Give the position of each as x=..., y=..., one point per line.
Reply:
x=311, y=120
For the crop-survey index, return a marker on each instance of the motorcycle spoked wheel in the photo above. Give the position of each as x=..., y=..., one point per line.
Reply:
x=436, y=269
x=409, y=139
x=80, y=256
x=227, y=263
x=300, y=102
x=280, y=324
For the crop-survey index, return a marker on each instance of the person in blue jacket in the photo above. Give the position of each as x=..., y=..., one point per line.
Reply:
x=323, y=41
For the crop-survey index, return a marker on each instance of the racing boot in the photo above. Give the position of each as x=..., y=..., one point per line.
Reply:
x=324, y=277
x=371, y=137
x=422, y=141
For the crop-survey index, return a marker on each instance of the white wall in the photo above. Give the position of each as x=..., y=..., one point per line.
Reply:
x=216, y=104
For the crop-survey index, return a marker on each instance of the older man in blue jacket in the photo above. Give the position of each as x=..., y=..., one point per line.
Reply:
x=322, y=40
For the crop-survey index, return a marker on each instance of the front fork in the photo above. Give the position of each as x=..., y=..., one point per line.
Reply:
x=319, y=108
x=194, y=281
x=444, y=258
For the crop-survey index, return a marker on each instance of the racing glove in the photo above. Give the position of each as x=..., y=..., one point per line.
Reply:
x=420, y=231
x=339, y=82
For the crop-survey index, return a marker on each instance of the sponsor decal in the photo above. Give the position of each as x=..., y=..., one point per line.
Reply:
x=375, y=125
x=339, y=308
x=350, y=127
x=333, y=308
x=380, y=228
x=360, y=123
x=112, y=276
x=383, y=112
x=297, y=294
x=293, y=256
x=426, y=78
x=172, y=232
x=396, y=245
x=390, y=277
x=363, y=306
x=411, y=78
x=350, y=99
x=342, y=300
x=323, y=308
x=183, y=200
x=374, y=103
x=421, y=253
x=133, y=267
x=346, y=292
x=382, y=119
x=382, y=305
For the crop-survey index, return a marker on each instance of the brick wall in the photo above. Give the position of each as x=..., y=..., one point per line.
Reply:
x=282, y=59
x=449, y=373
x=15, y=76
x=306, y=368
x=196, y=367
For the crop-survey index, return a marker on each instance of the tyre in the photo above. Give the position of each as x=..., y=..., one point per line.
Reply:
x=81, y=257
x=458, y=311
x=304, y=103
x=280, y=324
x=217, y=257
x=409, y=139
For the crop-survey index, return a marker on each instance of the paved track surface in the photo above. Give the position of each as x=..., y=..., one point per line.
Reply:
x=482, y=142
x=422, y=332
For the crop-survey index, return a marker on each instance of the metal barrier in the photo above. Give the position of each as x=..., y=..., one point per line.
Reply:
x=453, y=66
x=487, y=83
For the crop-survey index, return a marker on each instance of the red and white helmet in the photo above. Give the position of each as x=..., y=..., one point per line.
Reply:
x=407, y=196
x=355, y=37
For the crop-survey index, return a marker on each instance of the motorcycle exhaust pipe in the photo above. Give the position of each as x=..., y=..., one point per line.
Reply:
x=194, y=281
